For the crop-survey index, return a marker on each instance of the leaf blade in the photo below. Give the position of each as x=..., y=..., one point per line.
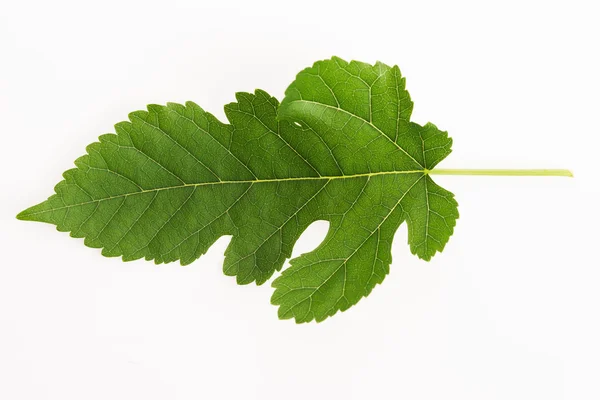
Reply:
x=173, y=179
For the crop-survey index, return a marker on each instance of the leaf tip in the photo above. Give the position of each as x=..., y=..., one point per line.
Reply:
x=23, y=216
x=27, y=215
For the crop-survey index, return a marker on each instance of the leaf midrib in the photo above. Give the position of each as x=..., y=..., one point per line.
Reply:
x=249, y=181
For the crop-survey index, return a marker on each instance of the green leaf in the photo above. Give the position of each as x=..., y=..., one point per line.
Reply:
x=173, y=179
x=363, y=114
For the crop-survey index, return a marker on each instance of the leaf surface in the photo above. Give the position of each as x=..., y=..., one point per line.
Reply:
x=355, y=102
x=173, y=179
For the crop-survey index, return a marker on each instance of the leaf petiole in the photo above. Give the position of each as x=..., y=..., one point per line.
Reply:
x=502, y=172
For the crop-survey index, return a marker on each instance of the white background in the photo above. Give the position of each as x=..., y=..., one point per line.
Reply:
x=508, y=311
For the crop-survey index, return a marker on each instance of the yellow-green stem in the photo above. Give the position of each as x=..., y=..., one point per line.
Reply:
x=502, y=172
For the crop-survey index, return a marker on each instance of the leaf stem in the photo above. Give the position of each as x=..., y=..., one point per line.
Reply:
x=502, y=172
